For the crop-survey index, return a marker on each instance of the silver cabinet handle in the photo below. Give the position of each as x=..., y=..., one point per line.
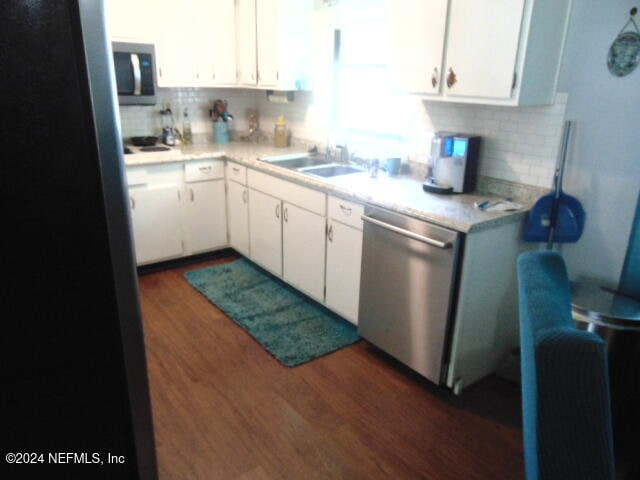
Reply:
x=137, y=75
x=245, y=195
x=235, y=169
x=191, y=193
x=133, y=203
x=205, y=169
x=278, y=211
x=346, y=210
x=434, y=77
x=330, y=233
x=407, y=233
x=286, y=215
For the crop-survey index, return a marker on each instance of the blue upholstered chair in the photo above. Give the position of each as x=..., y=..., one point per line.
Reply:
x=565, y=382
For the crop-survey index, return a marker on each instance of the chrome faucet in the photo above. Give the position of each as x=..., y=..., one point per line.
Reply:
x=344, y=154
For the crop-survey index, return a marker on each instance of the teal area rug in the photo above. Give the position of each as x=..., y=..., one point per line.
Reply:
x=291, y=326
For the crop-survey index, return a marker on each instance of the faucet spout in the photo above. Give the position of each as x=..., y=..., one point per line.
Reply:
x=344, y=153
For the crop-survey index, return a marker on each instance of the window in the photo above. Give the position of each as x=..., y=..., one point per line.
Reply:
x=366, y=107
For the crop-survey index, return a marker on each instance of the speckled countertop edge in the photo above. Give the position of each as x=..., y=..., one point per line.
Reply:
x=401, y=193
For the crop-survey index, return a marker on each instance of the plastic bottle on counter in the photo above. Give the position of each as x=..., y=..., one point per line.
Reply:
x=187, y=136
x=281, y=134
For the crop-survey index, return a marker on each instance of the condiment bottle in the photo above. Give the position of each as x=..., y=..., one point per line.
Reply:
x=187, y=136
x=280, y=133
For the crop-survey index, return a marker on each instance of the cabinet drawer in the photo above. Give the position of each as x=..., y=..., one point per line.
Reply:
x=345, y=212
x=293, y=193
x=136, y=176
x=199, y=170
x=237, y=173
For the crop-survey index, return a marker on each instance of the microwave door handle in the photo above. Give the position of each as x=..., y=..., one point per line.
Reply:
x=137, y=77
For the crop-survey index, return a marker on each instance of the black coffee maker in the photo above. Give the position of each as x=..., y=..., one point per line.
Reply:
x=453, y=163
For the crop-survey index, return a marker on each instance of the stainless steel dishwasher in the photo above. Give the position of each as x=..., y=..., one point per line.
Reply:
x=407, y=289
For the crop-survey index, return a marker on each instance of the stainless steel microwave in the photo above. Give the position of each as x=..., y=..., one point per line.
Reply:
x=135, y=73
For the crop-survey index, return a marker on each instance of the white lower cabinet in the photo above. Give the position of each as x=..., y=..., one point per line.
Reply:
x=177, y=209
x=303, y=250
x=265, y=229
x=206, y=216
x=287, y=231
x=156, y=215
x=344, y=256
x=238, y=217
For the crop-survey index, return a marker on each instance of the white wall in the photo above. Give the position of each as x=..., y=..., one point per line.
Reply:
x=603, y=169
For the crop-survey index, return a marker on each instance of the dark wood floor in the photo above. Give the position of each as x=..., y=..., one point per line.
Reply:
x=224, y=408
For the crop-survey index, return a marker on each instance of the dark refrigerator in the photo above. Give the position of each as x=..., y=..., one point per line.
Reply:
x=74, y=391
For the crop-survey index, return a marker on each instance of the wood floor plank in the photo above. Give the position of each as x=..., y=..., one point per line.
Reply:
x=224, y=408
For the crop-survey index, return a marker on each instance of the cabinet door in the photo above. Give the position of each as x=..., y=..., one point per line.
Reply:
x=344, y=256
x=175, y=40
x=206, y=215
x=482, y=45
x=265, y=231
x=238, y=210
x=157, y=226
x=303, y=246
x=268, y=41
x=417, y=42
x=214, y=49
x=246, y=61
x=124, y=20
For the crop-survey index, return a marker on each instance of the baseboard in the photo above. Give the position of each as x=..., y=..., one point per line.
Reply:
x=182, y=261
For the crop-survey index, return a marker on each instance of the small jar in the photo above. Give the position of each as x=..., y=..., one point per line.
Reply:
x=280, y=134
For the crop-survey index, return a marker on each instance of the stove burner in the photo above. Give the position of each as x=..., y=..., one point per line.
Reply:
x=154, y=149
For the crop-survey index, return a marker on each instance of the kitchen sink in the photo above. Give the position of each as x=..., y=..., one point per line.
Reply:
x=318, y=165
x=332, y=170
x=297, y=161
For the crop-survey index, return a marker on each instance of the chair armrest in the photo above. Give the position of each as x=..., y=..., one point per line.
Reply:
x=573, y=404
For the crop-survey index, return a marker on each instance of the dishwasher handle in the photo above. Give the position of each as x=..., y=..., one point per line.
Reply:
x=407, y=233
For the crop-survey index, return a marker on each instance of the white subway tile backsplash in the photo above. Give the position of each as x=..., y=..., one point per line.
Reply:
x=519, y=144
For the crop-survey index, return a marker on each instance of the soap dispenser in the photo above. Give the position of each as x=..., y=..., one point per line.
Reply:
x=281, y=134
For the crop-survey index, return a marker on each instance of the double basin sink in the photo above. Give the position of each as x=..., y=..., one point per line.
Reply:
x=316, y=165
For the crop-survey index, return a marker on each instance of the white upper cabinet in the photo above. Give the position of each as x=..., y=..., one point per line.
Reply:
x=195, y=43
x=283, y=43
x=418, y=30
x=174, y=45
x=482, y=47
x=246, y=59
x=125, y=24
x=215, y=43
x=502, y=52
x=267, y=30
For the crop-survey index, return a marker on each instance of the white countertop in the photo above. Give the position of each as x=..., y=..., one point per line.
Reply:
x=400, y=193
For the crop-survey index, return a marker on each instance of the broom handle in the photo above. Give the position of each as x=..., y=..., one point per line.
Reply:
x=563, y=156
x=558, y=182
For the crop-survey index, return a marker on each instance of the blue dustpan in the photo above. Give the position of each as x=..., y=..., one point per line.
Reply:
x=556, y=217
x=569, y=222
